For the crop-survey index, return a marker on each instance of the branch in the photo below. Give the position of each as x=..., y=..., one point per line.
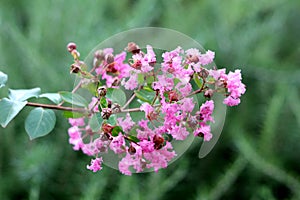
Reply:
x=57, y=107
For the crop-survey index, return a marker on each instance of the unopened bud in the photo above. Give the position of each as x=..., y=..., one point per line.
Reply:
x=107, y=128
x=99, y=54
x=173, y=96
x=102, y=91
x=131, y=150
x=109, y=58
x=75, y=68
x=208, y=93
x=158, y=142
x=193, y=58
x=203, y=73
x=116, y=82
x=133, y=48
x=116, y=108
x=71, y=46
x=106, y=113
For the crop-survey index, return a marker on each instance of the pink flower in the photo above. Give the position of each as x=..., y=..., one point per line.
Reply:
x=207, y=58
x=95, y=164
x=118, y=144
x=124, y=165
x=216, y=74
x=187, y=105
x=147, y=146
x=234, y=85
x=132, y=82
x=150, y=57
x=184, y=88
x=127, y=123
x=76, y=121
x=204, y=130
x=147, y=108
x=179, y=132
x=163, y=84
x=206, y=111
x=230, y=101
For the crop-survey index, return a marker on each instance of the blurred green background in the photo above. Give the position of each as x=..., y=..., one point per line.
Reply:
x=257, y=156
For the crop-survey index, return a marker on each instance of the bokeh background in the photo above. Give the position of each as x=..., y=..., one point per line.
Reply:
x=257, y=156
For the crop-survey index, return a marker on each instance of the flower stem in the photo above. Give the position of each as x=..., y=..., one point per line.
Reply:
x=57, y=107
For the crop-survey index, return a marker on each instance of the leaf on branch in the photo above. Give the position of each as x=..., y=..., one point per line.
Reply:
x=133, y=138
x=70, y=114
x=103, y=102
x=3, y=79
x=9, y=109
x=74, y=99
x=54, y=97
x=145, y=96
x=22, y=95
x=39, y=122
x=198, y=82
x=116, y=96
x=116, y=130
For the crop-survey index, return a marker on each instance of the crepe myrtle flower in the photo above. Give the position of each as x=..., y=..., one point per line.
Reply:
x=164, y=95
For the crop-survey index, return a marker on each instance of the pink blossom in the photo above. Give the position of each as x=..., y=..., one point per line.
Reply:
x=163, y=84
x=216, y=74
x=132, y=82
x=230, y=101
x=95, y=164
x=184, y=88
x=124, y=165
x=187, y=104
x=147, y=146
x=150, y=57
x=147, y=108
x=118, y=144
x=204, y=130
x=76, y=121
x=234, y=85
x=206, y=111
x=179, y=132
x=94, y=104
x=207, y=58
x=127, y=123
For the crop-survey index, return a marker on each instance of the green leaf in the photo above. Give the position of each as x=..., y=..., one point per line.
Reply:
x=103, y=102
x=112, y=120
x=70, y=114
x=133, y=138
x=140, y=78
x=96, y=122
x=145, y=96
x=148, y=88
x=3, y=79
x=116, y=130
x=9, y=109
x=39, y=122
x=74, y=99
x=116, y=96
x=22, y=95
x=198, y=82
x=54, y=97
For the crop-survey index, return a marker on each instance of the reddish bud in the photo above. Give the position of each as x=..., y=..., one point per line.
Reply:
x=208, y=93
x=158, y=142
x=131, y=150
x=173, y=96
x=102, y=91
x=133, y=48
x=71, y=46
x=107, y=128
x=106, y=113
x=193, y=58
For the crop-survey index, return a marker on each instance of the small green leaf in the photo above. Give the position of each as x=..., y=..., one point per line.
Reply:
x=103, y=102
x=133, y=138
x=22, y=95
x=54, y=97
x=9, y=109
x=148, y=88
x=116, y=130
x=198, y=82
x=74, y=99
x=96, y=122
x=116, y=96
x=70, y=114
x=150, y=80
x=140, y=78
x=3, y=79
x=145, y=96
x=39, y=122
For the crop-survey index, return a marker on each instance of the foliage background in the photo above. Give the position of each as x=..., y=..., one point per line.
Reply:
x=257, y=156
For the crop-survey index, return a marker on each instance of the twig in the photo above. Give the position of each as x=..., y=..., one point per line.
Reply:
x=57, y=107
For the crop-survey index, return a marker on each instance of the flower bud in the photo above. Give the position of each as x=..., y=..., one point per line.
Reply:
x=71, y=46
x=158, y=142
x=133, y=48
x=116, y=108
x=131, y=150
x=116, y=82
x=208, y=93
x=203, y=73
x=75, y=68
x=193, y=58
x=109, y=58
x=173, y=96
x=106, y=113
x=99, y=54
x=102, y=91
x=107, y=128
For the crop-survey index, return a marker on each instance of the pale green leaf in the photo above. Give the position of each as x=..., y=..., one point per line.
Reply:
x=116, y=96
x=54, y=97
x=23, y=94
x=39, y=122
x=9, y=109
x=74, y=99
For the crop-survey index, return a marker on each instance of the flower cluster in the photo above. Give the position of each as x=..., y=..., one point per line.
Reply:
x=160, y=104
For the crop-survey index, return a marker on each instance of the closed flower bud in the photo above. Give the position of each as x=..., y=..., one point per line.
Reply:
x=106, y=113
x=131, y=150
x=203, y=73
x=208, y=93
x=116, y=108
x=193, y=58
x=173, y=96
x=116, y=82
x=109, y=58
x=107, y=128
x=75, y=68
x=99, y=54
x=133, y=48
x=71, y=46
x=158, y=142
x=102, y=91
